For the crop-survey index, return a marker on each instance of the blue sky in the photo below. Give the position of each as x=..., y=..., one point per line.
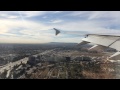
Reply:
x=36, y=26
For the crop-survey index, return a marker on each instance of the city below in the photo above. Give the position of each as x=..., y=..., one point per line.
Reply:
x=56, y=61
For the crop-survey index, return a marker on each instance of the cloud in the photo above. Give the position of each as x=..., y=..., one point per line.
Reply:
x=96, y=15
x=95, y=26
x=8, y=15
x=25, y=14
x=32, y=13
x=24, y=31
x=105, y=14
x=13, y=17
x=3, y=29
x=30, y=30
x=58, y=11
x=16, y=14
x=80, y=13
x=45, y=17
x=56, y=21
x=40, y=32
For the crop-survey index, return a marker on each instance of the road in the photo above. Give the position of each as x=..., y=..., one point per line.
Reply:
x=45, y=52
x=58, y=74
x=11, y=65
x=49, y=73
x=24, y=60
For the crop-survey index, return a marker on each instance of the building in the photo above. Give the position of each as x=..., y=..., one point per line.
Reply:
x=31, y=60
x=68, y=59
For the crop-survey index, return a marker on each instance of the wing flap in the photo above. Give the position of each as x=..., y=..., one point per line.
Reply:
x=97, y=48
x=115, y=56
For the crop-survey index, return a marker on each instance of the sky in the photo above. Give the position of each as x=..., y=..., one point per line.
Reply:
x=37, y=26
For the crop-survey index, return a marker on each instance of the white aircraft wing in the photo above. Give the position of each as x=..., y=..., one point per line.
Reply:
x=103, y=41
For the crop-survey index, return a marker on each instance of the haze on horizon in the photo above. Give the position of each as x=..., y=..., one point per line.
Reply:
x=36, y=26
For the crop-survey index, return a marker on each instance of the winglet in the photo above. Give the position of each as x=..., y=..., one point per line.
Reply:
x=56, y=31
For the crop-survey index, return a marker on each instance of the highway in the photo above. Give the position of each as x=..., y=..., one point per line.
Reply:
x=11, y=65
x=24, y=60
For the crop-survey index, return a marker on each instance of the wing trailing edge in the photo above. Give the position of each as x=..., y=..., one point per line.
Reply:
x=97, y=48
x=115, y=56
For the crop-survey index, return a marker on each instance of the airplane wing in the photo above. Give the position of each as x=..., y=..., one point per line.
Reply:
x=105, y=41
x=102, y=42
